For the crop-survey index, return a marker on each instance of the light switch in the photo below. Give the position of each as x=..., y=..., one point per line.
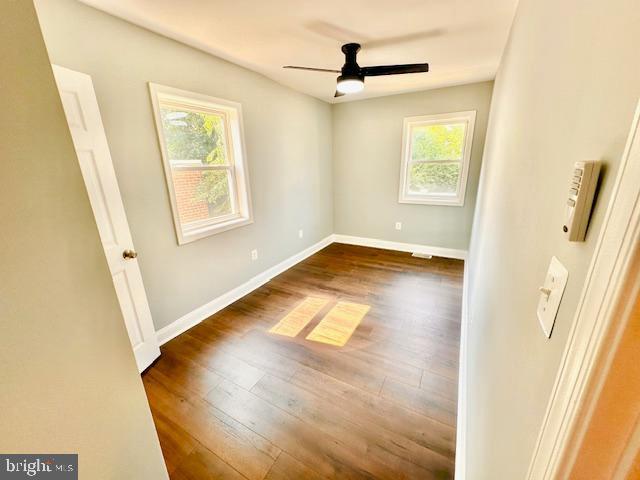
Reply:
x=551, y=295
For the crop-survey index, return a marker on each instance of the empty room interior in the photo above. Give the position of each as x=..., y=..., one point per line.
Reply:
x=287, y=240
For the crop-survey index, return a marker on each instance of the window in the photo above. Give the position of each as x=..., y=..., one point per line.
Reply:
x=204, y=161
x=435, y=158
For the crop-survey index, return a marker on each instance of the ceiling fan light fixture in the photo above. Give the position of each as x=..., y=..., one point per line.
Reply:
x=350, y=83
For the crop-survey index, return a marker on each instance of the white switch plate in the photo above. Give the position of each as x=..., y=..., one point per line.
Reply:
x=300, y=233
x=254, y=254
x=551, y=295
x=398, y=225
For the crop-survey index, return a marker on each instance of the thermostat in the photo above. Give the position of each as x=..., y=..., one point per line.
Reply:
x=580, y=199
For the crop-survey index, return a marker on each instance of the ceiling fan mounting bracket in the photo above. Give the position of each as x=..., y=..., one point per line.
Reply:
x=350, y=67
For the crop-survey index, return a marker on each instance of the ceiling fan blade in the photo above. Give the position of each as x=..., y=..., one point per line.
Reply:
x=394, y=69
x=311, y=69
x=338, y=94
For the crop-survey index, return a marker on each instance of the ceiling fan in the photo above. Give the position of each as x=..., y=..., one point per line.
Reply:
x=351, y=79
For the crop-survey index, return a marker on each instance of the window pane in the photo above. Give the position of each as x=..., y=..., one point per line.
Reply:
x=434, y=178
x=193, y=138
x=437, y=142
x=202, y=195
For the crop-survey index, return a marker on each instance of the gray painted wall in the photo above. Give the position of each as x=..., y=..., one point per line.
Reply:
x=566, y=91
x=367, y=143
x=68, y=379
x=288, y=138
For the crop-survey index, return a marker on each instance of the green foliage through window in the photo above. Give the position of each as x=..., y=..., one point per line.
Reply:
x=199, y=137
x=214, y=189
x=194, y=136
x=425, y=177
x=436, y=157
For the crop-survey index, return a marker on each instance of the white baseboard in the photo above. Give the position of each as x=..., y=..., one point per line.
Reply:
x=196, y=316
x=401, y=247
x=461, y=428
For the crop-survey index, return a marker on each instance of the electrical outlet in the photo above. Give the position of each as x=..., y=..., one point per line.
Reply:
x=398, y=225
x=300, y=233
x=254, y=254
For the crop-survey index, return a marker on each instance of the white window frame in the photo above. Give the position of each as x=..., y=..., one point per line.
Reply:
x=242, y=213
x=404, y=196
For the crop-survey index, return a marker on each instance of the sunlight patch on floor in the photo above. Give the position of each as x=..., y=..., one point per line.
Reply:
x=298, y=318
x=339, y=324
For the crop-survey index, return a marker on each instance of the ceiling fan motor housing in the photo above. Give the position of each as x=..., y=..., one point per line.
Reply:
x=351, y=69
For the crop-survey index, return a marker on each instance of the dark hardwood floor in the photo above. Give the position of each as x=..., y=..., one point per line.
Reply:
x=232, y=401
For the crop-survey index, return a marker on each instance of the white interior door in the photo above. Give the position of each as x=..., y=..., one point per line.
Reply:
x=83, y=115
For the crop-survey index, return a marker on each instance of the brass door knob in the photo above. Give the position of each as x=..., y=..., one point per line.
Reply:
x=129, y=254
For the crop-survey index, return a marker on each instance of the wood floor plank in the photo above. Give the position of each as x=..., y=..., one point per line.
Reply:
x=202, y=464
x=323, y=358
x=255, y=355
x=176, y=443
x=185, y=373
x=208, y=355
x=231, y=400
x=440, y=386
x=320, y=451
x=399, y=370
x=443, y=366
x=366, y=438
x=288, y=468
x=420, y=401
x=362, y=405
x=236, y=444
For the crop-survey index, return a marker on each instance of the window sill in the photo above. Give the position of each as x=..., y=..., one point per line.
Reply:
x=441, y=201
x=212, y=229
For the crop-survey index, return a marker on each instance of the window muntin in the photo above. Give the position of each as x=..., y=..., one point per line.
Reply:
x=202, y=148
x=435, y=158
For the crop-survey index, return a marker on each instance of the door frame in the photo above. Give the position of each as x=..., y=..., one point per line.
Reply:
x=597, y=322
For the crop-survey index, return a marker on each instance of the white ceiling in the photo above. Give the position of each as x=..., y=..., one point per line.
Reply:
x=461, y=39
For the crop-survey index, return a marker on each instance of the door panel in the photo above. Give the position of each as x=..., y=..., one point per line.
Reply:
x=83, y=115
